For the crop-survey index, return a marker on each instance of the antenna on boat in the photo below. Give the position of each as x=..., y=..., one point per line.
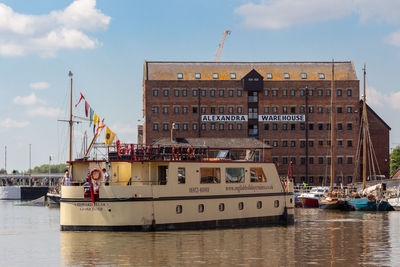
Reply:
x=70, y=119
x=364, y=129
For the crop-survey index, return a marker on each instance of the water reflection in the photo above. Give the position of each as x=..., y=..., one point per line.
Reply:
x=321, y=238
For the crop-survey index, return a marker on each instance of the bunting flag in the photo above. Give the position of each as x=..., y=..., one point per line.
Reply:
x=95, y=119
x=82, y=97
x=110, y=135
x=87, y=106
x=100, y=126
x=91, y=114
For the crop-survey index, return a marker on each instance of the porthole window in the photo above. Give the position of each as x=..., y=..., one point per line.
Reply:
x=201, y=208
x=276, y=203
x=241, y=205
x=178, y=209
x=291, y=200
x=221, y=206
x=259, y=204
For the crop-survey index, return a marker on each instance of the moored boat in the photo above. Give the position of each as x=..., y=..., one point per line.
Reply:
x=174, y=189
x=311, y=199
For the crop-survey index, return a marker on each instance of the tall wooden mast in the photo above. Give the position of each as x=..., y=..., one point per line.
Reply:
x=332, y=120
x=70, y=120
x=364, y=129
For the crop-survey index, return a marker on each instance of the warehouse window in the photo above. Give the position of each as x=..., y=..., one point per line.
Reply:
x=179, y=75
x=233, y=75
x=197, y=75
x=194, y=92
x=239, y=92
x=269, y=75
x=286, y=76
x=348, y=92
x=212, y=93
x=215, y=75
x=176, y=92
x=155, y=127
x=155, y=92
x=304, y=75
x=321, y=75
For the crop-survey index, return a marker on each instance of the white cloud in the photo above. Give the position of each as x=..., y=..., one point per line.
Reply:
x=393, y=38
x=10, y=123
x=377, y=99
x=31, y=99
x=21, y=34
x=39, y=85
x=44, y=112
x=278, y=14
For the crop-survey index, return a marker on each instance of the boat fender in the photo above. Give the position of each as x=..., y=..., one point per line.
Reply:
x=190, y=152
x=95, y=171
x=175, y=152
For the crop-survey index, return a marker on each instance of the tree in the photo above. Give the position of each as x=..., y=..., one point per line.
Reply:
x=394, y=160
x=3, y=171
x=59, y=168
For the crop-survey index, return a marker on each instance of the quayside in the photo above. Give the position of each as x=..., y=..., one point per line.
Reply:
x=176, y=187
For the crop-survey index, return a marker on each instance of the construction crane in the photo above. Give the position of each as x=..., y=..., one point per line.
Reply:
x=221, y=45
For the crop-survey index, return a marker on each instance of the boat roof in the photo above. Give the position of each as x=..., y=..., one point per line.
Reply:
x=214, y=143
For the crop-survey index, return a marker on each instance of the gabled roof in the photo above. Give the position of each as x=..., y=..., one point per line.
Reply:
x=253, y=74
x=376, y=115
x=168, y=70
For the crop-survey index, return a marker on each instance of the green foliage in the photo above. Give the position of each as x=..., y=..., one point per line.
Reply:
x=394, y=160
x=60, y=168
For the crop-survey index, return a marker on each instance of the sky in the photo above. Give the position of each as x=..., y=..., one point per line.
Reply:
x=104, y=43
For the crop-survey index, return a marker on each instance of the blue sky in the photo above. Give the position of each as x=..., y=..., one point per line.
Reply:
x=105, y=42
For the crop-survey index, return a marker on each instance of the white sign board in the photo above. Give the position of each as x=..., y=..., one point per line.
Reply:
x=223, y=118
x=282, y=118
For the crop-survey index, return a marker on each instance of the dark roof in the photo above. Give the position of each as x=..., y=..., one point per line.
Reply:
x=220, y=143
x=376, y=115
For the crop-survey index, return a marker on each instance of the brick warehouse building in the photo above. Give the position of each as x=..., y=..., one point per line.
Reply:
x=284, y=104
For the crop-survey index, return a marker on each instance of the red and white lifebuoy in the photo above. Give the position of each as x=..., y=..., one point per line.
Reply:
x=92, y=174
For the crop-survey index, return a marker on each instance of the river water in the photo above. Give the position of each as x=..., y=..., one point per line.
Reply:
x=30, y=236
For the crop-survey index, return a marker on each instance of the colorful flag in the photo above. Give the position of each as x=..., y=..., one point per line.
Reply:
x=91, y=113
x=87, y=106
x=100, y=126
x=82, y=97
x=95, y=119
x=91, y=187
x=110, y=135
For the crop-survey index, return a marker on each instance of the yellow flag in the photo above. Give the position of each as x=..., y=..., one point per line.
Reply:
x=110, y=135
x=95, y=119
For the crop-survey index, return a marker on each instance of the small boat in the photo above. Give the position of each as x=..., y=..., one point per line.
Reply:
x=394, y=202
x=53, y=197
x=370, y=204
x=311, y=199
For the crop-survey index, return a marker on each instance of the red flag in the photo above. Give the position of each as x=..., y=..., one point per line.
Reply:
x=91, y=188
x=87, y=107
x=100, y=126
x=82, y=97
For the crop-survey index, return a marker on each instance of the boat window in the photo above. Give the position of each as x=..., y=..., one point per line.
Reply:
x=241, y=205
x=221, y=206
x=222, y=154
x=210, y=175
x=257, y=175
x=201, y=208
x=259, y=204
x=234, y=175
x=181, y=175
x=178, y=209
x=276, y=203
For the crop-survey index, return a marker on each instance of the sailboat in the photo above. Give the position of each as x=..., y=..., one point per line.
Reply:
x=371, y=198
x=332, y=200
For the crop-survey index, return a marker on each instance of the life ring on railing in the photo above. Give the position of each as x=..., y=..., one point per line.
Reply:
x=175, y=152
x=92, y=174
x=190, y=152
x=122, y=151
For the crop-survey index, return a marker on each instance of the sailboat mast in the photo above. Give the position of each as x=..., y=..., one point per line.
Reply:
x=332, y=118
x=70, y=120
x=364, y=128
